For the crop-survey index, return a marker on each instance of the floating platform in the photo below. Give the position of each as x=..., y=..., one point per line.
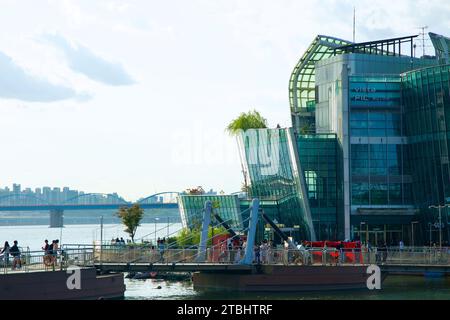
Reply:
x=286, y=279
x=52, y=285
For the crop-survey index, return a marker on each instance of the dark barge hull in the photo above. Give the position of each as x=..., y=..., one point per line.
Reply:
x=286, y=279
x=53, y=286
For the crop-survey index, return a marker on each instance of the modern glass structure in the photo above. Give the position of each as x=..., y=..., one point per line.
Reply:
x=442, y=46
x=302, y=82
x=270, y=159
x=226, y=206
x=426, y=98
x=371, y=136
x=320, y=159
x=368, y=151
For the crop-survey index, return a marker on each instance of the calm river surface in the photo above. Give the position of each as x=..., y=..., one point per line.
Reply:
x=394, y=287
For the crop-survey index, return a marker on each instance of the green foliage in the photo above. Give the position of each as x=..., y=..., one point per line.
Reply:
x=245, y=121
x=216, y=204
x=131, y=218
x=187, y=237
x=305, y=129
x=171, y=241
x=212, y=232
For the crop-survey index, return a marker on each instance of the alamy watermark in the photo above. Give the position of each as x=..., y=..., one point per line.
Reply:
x=74, y=280
x=204, y=147
x=374, y=280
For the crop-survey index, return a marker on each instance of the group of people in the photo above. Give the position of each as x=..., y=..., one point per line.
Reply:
x=50, y=252
x=263, y=252
x=118, y=241
x=231, y=250
x=14, y=251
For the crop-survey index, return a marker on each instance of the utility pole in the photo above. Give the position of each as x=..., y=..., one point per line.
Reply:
x=423, y=34
x=440, y=221
x=354, y=24
x=168, y=225
x=101, y=239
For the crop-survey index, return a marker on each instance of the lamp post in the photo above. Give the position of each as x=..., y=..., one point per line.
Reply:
x=412, y=232
x=360, y=231
x=168, y=225
x=430, y=224
x=156, y=219
x=440, y=221
x=101, y=239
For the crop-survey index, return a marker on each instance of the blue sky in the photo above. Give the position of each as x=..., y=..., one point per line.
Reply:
x=133, y=96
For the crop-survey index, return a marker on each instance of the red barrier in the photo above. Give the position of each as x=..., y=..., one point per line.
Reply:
x=351, y=256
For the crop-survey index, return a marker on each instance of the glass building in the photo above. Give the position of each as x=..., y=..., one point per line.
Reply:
x=370, y=130
x=320, y=160
x=426, y=98
x=367, y=154
x=226, y=206
x=302, y=81
x=270, y=161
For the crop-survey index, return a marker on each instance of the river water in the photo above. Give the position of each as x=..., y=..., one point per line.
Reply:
x=394, y=287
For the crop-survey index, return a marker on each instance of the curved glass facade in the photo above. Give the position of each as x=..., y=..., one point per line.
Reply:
x=426, y=104
x=302, y=81
x=441, y=45
x=271, y=165
x=226, y=206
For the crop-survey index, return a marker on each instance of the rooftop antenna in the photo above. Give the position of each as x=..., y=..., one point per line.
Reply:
x=423, y=34
x=354, y=24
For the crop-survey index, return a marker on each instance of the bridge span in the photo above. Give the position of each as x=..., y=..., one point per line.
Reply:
x=90, y=201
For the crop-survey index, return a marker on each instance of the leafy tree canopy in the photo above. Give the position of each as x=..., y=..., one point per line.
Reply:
x=245, y=121
x=131, y=218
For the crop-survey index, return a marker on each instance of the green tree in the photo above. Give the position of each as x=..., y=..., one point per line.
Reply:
x=191, y=237
x=245, y=121
x=188, y=237
x=131, y=218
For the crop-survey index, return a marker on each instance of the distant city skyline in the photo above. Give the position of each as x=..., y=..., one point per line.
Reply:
x=55, y=195
x=134, y=96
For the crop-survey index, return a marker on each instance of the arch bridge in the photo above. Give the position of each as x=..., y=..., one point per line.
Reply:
x=88, y=201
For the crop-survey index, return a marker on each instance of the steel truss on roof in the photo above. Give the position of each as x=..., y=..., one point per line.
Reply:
x=301, y=84
x=389, y=47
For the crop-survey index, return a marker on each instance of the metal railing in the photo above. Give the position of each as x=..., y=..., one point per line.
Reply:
x=35, y=261
x=312, y=256
x=90, y=255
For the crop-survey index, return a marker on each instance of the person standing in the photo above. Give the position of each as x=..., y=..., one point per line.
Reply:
x=45, y=247
x=338, y=257
x=257, y=251
x=15, y=252
x=47, y=258
x=269, y=253
x=52, y=252
x=237, y=257
x=5, y=252
x=385, y=252
x=229, y=250
x=263, y=252
x=56, y=247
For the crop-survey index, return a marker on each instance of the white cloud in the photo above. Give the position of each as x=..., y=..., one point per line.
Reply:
x=81, y=59
x=16, y=83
